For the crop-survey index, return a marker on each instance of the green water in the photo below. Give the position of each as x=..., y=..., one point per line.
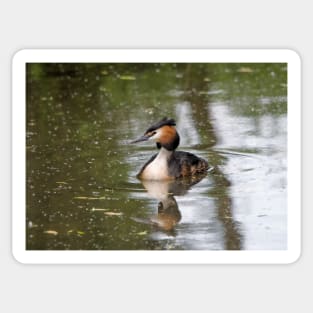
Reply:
x=82, y=190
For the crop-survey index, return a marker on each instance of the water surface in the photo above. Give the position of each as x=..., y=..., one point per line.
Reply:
x=82, y=190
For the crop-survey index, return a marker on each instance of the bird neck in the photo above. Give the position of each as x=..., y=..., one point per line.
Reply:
x=164, y=153
x=170, y=144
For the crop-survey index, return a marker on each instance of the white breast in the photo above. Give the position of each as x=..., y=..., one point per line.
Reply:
x=158, y=168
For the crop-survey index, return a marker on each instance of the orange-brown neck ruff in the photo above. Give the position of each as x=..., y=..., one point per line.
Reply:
x=169, y=138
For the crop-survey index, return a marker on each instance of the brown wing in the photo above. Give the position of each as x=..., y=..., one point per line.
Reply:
x=184, y=164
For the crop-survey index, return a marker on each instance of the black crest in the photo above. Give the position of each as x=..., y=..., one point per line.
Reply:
x=164, y=121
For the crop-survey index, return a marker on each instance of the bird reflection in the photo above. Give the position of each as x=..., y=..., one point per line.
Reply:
x=168, y=214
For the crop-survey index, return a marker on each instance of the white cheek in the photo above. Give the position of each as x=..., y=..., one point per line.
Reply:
x=156, y=136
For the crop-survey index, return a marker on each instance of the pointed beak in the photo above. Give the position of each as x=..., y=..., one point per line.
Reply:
x=142, y=138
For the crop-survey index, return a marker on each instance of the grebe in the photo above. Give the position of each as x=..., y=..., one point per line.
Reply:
x=168, y=163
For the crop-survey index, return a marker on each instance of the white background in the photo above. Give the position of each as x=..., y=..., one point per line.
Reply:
x=159, y=24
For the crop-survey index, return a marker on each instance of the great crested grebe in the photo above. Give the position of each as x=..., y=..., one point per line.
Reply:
x=168, y=163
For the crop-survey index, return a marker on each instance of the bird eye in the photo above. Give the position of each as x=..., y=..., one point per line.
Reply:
x=150, y=134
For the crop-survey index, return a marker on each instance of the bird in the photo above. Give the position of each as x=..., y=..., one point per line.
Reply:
x=169, y=164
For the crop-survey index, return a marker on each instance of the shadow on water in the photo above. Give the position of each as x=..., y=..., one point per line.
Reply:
x=82, y=191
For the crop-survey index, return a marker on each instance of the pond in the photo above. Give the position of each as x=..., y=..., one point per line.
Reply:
x=82, y=192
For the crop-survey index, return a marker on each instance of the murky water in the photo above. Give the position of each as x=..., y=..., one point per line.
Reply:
x=82, y=190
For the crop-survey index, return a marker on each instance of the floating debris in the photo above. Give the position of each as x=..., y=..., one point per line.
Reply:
x=89, y=198
x=98, y=209
x=127, y=77
x=113, y=213
x=51, y=232
x=77, y=232
x=142, y=233
x=32, y=225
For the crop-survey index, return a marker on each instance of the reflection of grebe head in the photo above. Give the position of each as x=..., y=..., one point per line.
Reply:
x=163, y=133
x=168, y=214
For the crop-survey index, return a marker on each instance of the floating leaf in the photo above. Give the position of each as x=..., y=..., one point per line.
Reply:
x=89, y=198
x=51, y=232
x=113, y=213
x=78, y=232
x=98, y=209
x=142, y=233
x=127, y=77
x=32, y=225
